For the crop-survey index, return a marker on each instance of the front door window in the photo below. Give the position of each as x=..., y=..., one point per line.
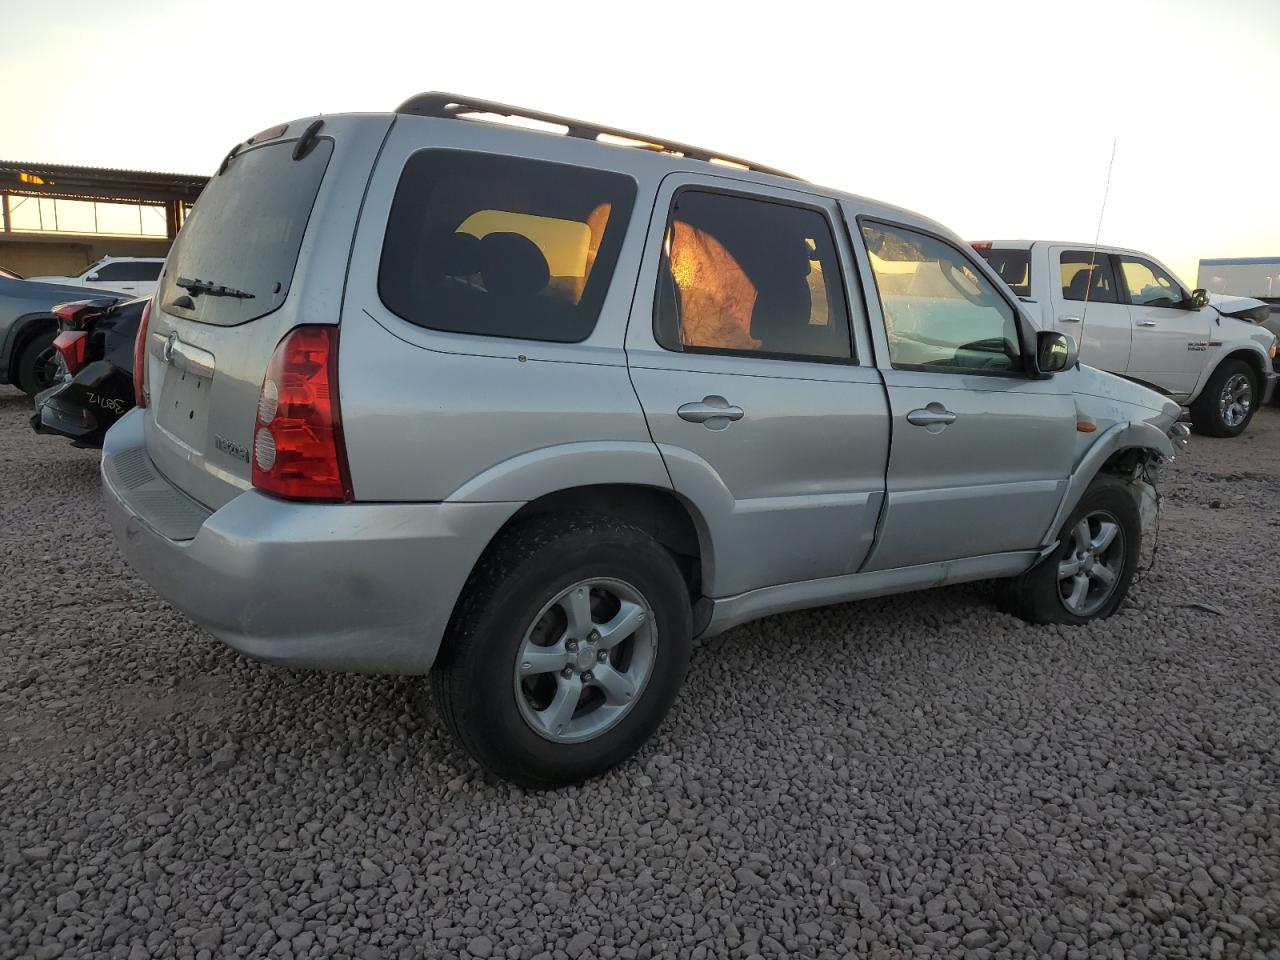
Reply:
x=940, y=313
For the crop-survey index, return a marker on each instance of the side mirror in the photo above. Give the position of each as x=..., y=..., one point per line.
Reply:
x=92, y=276
x=1199, y=298
x=1055, y=351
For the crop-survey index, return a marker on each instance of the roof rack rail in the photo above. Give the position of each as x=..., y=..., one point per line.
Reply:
x=453, y=106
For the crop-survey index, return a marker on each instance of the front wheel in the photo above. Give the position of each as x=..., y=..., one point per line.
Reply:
x=569, y=644
x=1087, y=577
x=1226, y=405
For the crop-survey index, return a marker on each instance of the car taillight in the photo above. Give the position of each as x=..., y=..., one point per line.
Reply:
x=140, y=359
x=76, y=314
x=981, y=245
x=298, y=450
x=71, y=345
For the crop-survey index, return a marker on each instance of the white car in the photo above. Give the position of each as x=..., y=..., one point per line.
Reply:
x=1131, y=316
x=134, y=276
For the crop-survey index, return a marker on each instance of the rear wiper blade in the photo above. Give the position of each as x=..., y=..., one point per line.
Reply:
x=197, y=287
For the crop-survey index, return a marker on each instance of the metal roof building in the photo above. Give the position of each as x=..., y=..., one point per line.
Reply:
x=54, y=217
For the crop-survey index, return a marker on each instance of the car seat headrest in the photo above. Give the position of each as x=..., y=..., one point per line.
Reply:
x=512, y=265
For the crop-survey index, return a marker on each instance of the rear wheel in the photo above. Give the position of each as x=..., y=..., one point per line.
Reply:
x=37, y=364
x=1226, y=405
x=1087, y=577
x=566, y=651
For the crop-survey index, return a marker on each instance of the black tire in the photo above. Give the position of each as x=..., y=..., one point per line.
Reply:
x=37, y=362
x=1037, y=595
x=522, y=572
x=1209, y=412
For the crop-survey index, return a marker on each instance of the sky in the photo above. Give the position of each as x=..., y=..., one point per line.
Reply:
x=997, y=119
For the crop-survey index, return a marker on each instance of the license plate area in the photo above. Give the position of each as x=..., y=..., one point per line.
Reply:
x=183, y=410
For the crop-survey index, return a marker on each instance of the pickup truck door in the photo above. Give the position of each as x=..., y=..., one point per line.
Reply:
x=769, y=415
x=1088, y=305
x=1169, y=339
x=980, y=453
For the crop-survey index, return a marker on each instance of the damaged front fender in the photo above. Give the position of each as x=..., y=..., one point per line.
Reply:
x=1130, y=435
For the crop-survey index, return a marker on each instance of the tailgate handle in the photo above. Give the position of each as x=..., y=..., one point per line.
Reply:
x=183, y=356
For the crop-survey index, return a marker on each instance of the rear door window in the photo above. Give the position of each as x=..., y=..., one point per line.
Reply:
x=749, y=276
x=1087, y=275
x=502, y=246
x=245, y=233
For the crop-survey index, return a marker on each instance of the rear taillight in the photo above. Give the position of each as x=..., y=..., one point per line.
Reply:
x=298, y=451
x=140, y=359
x=76, y=314
x=71, y=345
x=981, y=245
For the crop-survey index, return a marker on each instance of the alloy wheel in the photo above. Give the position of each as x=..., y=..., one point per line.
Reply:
x=47, y=369
x=1236, y=400
x=1090, y=571
x=585, y=660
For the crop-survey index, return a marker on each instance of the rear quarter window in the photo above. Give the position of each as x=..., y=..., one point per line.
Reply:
x=502, y=246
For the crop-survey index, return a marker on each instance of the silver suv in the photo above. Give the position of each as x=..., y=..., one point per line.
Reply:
x=530, y=411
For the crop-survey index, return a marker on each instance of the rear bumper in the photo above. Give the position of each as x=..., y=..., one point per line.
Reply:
x=363, y=587
x=84, y=408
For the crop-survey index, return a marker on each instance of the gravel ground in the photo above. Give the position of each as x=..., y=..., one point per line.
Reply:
x=914, y=776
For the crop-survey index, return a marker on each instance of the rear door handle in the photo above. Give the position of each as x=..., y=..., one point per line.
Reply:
x=935, y=414
x=1068, y=319
x=713, y=411
x=1146, y=323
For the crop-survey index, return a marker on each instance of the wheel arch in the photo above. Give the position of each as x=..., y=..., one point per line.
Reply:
x=20, y=333
x=1115, y=451
x=659, y=511
x=1252, y=355
x=1254, y=358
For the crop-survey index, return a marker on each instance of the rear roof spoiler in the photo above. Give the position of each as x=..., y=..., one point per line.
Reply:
x=455, y=107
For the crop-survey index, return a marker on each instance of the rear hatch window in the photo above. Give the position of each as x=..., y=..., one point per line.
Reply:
x=234, y=259
x=1014, y=267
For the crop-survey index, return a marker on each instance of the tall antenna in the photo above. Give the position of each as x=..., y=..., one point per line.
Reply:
x=1093, y=254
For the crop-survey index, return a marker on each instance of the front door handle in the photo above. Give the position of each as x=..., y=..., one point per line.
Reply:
x=1146, y=323
x=713, y=411
x=1068, y=319
x=934, y=415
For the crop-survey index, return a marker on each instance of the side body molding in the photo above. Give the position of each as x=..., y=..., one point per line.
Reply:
x=1120, y=436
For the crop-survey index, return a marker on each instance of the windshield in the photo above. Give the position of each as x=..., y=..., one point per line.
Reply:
x=88, y=270
x=244, y=235
x=1014, y=267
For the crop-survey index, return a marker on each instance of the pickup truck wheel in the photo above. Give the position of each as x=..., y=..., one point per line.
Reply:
x=1226, y=405
x=37, y=364
x=1087, y=577
x=567, y=649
